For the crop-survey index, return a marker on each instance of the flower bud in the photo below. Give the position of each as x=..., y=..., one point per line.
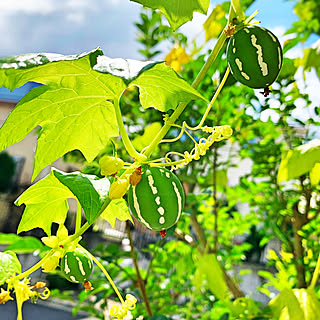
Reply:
x=51, y=241
x=118, y=188
x=110, y=165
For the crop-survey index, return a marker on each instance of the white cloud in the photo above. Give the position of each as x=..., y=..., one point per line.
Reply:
x=27, y=6
x=114, y=3
x=76, y=17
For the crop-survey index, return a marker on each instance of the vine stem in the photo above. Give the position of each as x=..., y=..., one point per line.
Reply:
x=78, y=217
x=97, y=262
x=34, y=267
x=214, y=98
x=141, y=282
x=124, y=135
x=70, y=239
x=315, y=275
x=164, y=130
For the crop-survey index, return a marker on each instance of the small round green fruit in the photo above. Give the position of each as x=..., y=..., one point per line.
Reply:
x=158, y=199
x=254, y=56
x=76, y=265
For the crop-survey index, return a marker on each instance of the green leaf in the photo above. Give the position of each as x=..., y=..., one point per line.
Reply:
x=117, y=209
x=309, y=303
x=210, y=270
x=71, y=108
x=8, y=238
x=90, y=191
x=315, y=174
x=46, y=202
x=297, y=304
x=311, y=59
x=9, y=266
x=177, y=12
x=161, y=88
x=299, y=161
x=26, y=245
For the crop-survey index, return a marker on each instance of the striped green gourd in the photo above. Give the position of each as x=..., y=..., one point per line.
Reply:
x=254, y=56
x=76, y=265
x=158, y=199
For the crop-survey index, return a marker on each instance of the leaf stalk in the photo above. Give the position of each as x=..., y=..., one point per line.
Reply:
x=124, y=135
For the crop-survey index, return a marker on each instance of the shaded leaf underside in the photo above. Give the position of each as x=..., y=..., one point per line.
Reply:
x=177, y=12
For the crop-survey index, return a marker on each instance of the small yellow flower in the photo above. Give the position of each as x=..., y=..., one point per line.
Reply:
x=176, y=58
x=4, y=296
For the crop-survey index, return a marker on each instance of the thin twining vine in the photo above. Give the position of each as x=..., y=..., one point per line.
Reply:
x=200, y=148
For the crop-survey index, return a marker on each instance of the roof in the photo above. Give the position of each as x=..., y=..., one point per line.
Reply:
x=15, y=95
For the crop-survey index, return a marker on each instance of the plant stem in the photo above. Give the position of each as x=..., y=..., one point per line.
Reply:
x=225, y=77
x=124, y=136
x=34, y=267
x=107, y=276
x=315, y=275
x=78, y=217
x=190, y=306
x=299, y=252
x=164, y=130
x=215, y=201
x=141, y=282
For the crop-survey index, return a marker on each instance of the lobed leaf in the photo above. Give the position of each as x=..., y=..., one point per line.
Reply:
x=46, y=202
x=71, y=108
x=161, y=88
x=177, y=12
x=296, y=304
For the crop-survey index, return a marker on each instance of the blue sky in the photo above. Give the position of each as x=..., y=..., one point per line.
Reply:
x=73, y=26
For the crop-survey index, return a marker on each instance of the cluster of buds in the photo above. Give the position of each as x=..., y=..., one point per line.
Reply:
x=200, y=149
x=121, y=312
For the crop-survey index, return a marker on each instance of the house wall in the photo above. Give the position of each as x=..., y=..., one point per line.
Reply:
x=26, y=149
